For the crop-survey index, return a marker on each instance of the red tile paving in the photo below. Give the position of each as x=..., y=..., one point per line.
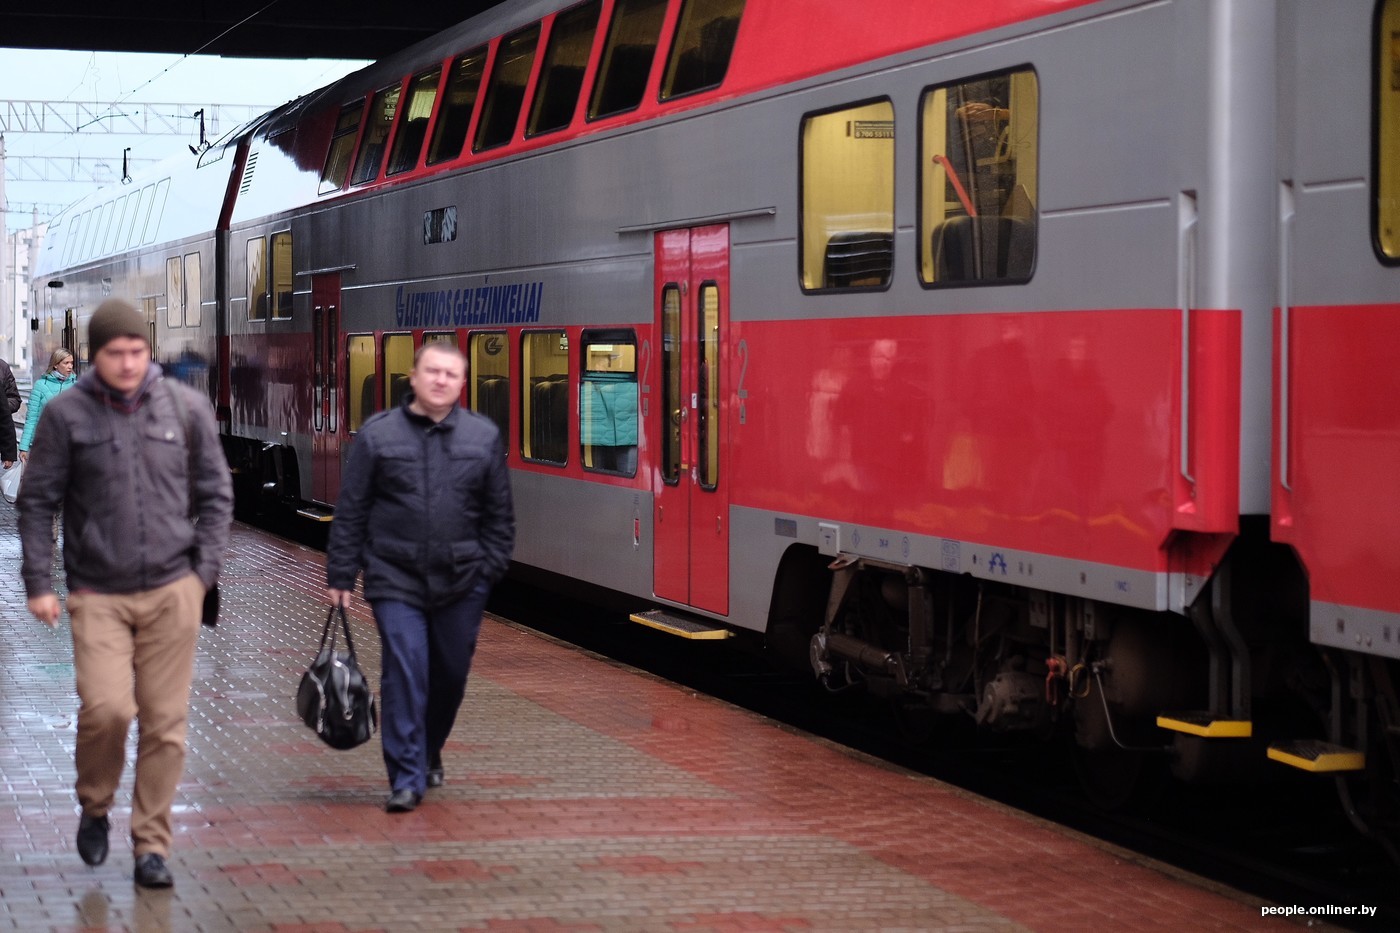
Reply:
x=581, y=795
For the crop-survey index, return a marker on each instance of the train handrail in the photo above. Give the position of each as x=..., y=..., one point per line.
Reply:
x=1187, y=219
x=1286, y=211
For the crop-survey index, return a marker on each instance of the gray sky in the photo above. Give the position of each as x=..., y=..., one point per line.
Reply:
x=96, y=79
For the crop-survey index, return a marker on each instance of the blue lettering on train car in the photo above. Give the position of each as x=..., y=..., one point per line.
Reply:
x=515, y=303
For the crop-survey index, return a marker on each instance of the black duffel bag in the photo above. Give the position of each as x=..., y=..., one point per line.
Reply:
x=334, y=698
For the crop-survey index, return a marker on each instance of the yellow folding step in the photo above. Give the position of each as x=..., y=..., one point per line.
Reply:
x=1317, y=756
x=1207, y=725
x=681, y=625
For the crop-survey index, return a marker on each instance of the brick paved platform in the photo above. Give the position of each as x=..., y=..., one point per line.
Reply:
x=580, y=796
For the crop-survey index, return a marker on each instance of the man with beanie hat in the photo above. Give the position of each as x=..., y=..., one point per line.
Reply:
x=134, y=463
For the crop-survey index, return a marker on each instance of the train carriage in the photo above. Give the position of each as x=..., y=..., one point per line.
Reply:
x=1006, y=359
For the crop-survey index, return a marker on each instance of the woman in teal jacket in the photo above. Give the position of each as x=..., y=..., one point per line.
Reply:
x=56, y=378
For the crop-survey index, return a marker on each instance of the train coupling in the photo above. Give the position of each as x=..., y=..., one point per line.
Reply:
x=826, y=645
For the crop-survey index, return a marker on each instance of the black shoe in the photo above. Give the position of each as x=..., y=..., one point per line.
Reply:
x=92, y=839
x=151, y=871
x=402, y=801
x=435, y=775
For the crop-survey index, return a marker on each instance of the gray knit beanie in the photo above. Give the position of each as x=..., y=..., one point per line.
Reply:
x=114, y=318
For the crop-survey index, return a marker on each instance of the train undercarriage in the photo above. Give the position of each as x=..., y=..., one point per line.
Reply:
x=1209, y=697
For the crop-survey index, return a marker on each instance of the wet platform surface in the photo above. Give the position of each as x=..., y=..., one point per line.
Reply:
x=580, y=795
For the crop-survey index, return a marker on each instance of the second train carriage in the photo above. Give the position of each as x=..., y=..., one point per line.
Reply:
x=1024, y=361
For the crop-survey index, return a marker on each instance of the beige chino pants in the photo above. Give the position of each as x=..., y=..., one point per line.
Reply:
x=133, y=657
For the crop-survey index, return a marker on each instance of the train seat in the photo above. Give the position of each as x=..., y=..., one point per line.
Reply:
x=492, y=400
x=970, y=249
x=549, y=418
x=858, y=257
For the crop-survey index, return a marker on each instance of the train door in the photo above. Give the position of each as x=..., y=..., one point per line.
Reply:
x=691, y=506
x=325, y=409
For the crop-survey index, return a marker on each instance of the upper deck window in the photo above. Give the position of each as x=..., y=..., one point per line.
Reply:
x=337, y=167
x=376, y=135
x=413, y=122
x=458, y=101
x=505, y=93
x=627, y=57
x=979, y=146
x=561, y=74
x=848, y=197
x=703, y=43
x=1387, y=131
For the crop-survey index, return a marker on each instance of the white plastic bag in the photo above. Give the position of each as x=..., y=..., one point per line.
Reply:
x=9, y=482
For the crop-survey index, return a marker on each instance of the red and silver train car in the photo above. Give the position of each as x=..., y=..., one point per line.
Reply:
x=1023, y=361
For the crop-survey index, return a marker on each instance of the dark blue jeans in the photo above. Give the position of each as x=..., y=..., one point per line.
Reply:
x=426, y=656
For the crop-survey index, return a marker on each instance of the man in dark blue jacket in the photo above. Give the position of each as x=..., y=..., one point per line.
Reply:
x=425, y=511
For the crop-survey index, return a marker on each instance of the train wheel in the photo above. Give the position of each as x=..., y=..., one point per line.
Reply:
x=1114, y=779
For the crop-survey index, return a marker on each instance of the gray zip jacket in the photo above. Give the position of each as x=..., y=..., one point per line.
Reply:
x=120, y=471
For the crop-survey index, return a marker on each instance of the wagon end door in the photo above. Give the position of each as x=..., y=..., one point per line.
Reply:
x=325, y=411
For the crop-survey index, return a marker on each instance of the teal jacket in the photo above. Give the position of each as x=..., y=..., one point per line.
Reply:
x=49, y=385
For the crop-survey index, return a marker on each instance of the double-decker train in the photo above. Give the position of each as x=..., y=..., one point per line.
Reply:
x=1028, y=363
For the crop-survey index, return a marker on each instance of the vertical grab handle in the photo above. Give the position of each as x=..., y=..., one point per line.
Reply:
x=1187, y=218
x=1286, y=211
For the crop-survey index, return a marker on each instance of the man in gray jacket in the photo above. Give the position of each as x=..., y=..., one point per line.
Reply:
x=135, y=464
x=425, y=510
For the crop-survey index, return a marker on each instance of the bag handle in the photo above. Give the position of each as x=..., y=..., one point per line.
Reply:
x=329, y=631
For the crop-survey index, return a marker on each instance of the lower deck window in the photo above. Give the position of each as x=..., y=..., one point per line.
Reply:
x=544, y=399
x=607, y=402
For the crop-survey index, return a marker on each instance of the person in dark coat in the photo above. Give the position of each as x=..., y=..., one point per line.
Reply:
x=425, y=511
x=9, y=447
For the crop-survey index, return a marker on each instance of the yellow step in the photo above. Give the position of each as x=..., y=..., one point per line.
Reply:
x=1317, y=756
x=683, y=626
x=1206, y=725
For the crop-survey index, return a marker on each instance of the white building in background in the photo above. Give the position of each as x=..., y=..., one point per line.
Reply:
x=15, y=313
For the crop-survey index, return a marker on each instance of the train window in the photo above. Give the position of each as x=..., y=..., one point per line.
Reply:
x=848, y=197
x=281, y=278
x=157, y=211
x=455, y=115
x=193, y=291
x=672, y=401
x=337, y=168
x=627, y=57
x=75, y=235
x=607, y=402
x=708, y=396
x=413, y=123
x=544, y=403
x=375, y=136
x=505, y=92
x=140, y=201
x=174, y=293
x=119, y=210
x=1387, y=130
x=398, y=365
x=359, y=371
x=704, y=40
x=978, y=145
x=257, y=279
x=104, y=230
x=488, y=389
x=561, y=74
